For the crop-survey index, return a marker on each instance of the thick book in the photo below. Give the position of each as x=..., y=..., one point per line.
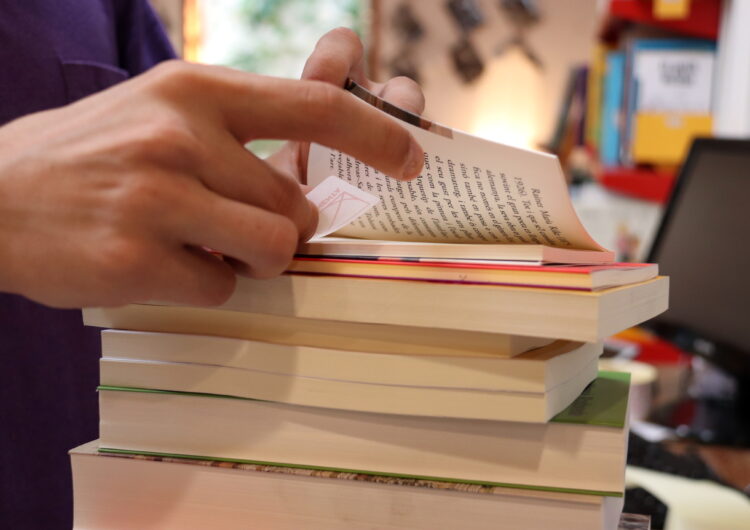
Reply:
x=582, y=450
x=144, y=492
x=581, y=277
x=563, y=314
x=328, y=334
x=474, y=199
x=467, y=401
x=535, y=371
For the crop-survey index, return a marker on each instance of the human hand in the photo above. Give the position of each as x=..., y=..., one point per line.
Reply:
x=339, y=55
x=113, y=199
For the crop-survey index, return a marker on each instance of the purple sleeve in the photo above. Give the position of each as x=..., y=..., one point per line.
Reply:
x=142, y=41
x=53, y=52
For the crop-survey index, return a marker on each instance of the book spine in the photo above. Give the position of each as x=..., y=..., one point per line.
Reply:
x=611, y=113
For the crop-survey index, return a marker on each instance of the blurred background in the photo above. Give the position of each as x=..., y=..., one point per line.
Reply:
x=540, y=74
x=619, y=90
x=487, y=67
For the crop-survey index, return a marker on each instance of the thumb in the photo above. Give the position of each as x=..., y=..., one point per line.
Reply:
x=337, y=56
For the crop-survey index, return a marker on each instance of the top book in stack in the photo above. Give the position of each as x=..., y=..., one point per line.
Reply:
x=478, y=199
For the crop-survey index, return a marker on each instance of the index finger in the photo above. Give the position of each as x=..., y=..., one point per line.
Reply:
x=255, y=107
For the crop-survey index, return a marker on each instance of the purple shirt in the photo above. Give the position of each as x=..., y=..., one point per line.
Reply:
x=53, y=52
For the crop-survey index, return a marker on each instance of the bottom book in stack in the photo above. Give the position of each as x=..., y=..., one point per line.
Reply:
x=148, y=491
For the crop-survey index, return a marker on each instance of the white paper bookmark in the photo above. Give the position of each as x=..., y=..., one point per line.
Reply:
x=339, y=203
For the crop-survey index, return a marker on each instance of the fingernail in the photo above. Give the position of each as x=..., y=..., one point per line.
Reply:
x=415, y=161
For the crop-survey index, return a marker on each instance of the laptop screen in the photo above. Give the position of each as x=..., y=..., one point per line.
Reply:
x=703, y=244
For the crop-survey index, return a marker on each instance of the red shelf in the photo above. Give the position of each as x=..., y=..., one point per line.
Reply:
x=702, y=22
x=645, y=184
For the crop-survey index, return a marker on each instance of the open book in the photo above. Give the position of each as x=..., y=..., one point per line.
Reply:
x=475, y=200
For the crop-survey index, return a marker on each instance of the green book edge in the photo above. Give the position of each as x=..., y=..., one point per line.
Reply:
x=106, y=450
x=604, y=402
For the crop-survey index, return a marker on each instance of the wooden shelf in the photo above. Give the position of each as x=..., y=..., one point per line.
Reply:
x=702, y=22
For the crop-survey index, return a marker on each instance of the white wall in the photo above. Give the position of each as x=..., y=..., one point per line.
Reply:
x=511, y=101
x=732, y=84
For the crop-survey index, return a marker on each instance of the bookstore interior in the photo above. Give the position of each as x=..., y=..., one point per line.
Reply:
x=548, y=328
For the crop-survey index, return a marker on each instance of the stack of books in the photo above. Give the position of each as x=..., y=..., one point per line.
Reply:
x=376, y=384
x=256, y=413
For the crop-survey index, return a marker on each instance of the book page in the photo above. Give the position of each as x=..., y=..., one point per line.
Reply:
x=471, y=190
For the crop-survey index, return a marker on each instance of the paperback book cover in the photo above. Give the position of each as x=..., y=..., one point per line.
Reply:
x=579, y=277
